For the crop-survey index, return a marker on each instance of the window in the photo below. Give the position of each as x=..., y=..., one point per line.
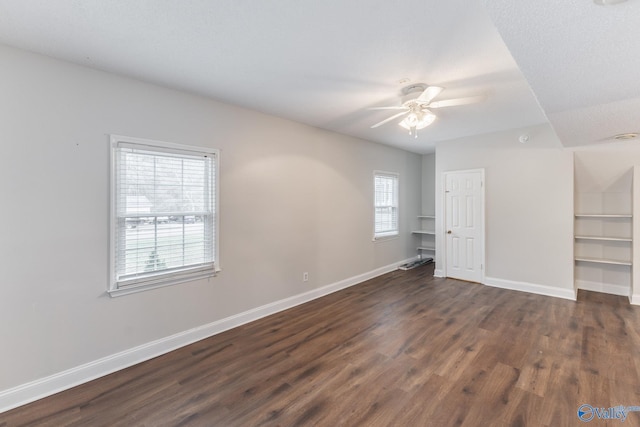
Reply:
x=385, y=186
x=163, y=214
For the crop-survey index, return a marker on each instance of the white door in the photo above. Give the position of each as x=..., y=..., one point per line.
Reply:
x=464, y=225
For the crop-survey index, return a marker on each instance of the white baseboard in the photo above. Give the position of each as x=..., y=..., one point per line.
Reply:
x=43, y=387
x=634, y=299
x=438, y=273
x=607, y=288
x=531, y=288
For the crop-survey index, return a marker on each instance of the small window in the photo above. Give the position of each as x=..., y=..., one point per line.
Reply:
x=385, y=186
x=163, y=214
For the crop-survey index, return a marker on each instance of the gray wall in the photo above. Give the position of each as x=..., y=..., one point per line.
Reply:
x=528, y=207
x=429, y=184
x=293, y=199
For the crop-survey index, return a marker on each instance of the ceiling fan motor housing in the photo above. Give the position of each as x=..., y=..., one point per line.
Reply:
x=412, y=92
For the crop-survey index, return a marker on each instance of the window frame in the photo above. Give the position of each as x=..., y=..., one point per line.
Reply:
x=377, y=236
x=173, y=276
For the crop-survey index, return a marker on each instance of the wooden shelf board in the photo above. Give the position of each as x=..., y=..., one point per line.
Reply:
x=604, y=238
x=423, y=232
x=427, y=216
x=603, y=216
x=425, y=248
x=603, y=261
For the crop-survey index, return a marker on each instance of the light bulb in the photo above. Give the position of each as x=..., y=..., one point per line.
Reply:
x=418, y=120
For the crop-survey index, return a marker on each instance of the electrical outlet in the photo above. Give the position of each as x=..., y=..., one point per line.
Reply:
x=305, y=277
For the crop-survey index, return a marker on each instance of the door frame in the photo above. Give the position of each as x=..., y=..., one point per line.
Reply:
x=443, y=230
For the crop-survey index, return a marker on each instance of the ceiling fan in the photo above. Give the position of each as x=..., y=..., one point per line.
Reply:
x=417, y=109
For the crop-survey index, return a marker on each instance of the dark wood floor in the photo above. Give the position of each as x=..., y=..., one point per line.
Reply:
x=404, y=349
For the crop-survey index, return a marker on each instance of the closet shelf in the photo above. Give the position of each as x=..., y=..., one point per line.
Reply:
x=427, y=243
x=603, y=216
x=604, y=238
x=603, y=261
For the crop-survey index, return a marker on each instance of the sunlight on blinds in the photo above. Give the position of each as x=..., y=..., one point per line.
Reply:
x=386, y=204
x=164, y=212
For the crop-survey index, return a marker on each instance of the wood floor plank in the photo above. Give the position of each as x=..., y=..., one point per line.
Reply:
x=403, y=349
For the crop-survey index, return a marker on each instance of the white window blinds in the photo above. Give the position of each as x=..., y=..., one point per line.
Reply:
x=386, y=204
x=164, y=208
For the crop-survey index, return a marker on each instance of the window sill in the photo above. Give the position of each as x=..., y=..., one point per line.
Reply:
x=385, y=238
x=170, y=280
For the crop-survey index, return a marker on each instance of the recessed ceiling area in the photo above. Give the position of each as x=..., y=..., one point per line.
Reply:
x=327, y=63
x=581, y=61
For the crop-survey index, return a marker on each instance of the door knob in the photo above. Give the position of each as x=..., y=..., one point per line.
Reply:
x=448, y=231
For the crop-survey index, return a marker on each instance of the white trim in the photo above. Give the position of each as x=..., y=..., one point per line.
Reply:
x=43, y=387
x=154, y=144
x=132, y=289
x=607, y=288
x=634, y=292
x=438, y=273
x=533, y=288
x=385, y=238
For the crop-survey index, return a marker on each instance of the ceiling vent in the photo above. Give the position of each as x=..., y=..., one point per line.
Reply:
x=625, y=136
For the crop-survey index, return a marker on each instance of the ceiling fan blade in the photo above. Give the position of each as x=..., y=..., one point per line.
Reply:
x=429, y=93
x=389, y=119
x=457, y=101
x=397, y=107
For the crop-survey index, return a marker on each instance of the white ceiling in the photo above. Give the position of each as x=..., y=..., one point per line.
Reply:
x=325, y=62
x=580, y=59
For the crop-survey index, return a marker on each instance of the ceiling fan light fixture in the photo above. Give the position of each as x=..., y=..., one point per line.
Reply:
x=417, y=109
x=418, y=120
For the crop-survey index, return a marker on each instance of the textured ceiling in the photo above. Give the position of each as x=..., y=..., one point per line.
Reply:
x=581, y=61
x=325, y=62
